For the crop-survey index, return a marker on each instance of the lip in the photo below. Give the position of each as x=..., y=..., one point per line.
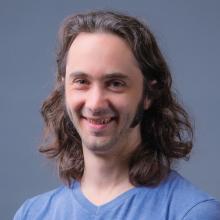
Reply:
x=98, y=126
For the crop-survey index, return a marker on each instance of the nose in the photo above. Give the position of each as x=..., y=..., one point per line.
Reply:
x=96, y=101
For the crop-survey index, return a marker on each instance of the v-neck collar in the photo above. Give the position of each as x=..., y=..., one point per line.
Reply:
x=88, y=206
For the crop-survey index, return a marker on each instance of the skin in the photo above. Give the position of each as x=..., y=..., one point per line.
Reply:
x=103, y=91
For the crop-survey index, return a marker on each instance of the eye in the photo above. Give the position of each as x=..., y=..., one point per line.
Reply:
x=116, y=85
x=80, y=83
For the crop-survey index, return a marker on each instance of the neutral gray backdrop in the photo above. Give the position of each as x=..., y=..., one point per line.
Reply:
x=188, y=32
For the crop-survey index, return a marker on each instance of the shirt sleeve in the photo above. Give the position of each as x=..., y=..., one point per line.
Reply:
x=206, y=210
x=19, y=215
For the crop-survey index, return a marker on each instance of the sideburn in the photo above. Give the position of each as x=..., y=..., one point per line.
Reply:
x=139, y=114
x=140, y=108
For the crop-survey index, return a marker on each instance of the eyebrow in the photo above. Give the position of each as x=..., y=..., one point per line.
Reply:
x=115, y=75
x=106, y=76
x=77, y=74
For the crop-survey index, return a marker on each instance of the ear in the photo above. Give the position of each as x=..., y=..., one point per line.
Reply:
x=147, y=103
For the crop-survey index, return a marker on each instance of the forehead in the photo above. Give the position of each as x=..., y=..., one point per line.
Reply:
x=101, y=53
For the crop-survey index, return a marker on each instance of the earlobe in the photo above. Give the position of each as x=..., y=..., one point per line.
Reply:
x=147, y=103
x=62, y=79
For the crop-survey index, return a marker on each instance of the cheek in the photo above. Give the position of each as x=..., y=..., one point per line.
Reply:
x=72, y=106
x=130, y=107
x=125, y=107
x=73, y=101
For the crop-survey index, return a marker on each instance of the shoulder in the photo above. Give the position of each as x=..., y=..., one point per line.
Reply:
x=208, y=209
x=39, y=204
x=187, y=201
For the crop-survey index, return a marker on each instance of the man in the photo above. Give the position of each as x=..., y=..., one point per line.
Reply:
x=114, y=127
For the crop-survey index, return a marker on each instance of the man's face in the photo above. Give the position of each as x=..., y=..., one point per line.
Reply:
x=103, y=89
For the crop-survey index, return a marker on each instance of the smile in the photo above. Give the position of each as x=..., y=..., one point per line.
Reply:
x=99, y=121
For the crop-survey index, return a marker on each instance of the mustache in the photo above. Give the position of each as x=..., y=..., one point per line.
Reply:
x=99, y=112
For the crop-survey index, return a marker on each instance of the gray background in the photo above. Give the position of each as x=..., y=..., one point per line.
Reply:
x=188, y=33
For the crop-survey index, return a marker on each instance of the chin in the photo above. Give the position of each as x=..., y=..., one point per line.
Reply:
x=99, y=147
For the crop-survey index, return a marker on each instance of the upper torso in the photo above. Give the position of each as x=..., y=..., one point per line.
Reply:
x=173, y=199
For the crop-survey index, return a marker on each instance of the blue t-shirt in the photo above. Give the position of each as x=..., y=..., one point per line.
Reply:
x=175, y=198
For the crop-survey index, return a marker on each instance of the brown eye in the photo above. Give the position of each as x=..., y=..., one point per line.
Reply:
x=80, y=83
x=116, y=85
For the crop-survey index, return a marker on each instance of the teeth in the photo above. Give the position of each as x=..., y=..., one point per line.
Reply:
x=99, y=121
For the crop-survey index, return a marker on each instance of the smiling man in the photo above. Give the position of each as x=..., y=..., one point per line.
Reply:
x=115, y=128
x=103, y=90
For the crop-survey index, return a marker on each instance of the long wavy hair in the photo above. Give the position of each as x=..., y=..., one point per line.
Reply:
x=166, y=130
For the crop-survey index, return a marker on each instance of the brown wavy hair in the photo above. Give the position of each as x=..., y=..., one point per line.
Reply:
x=165, y=127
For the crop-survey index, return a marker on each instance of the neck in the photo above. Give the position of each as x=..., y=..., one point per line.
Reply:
x=103, y=171
x=104, y=178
